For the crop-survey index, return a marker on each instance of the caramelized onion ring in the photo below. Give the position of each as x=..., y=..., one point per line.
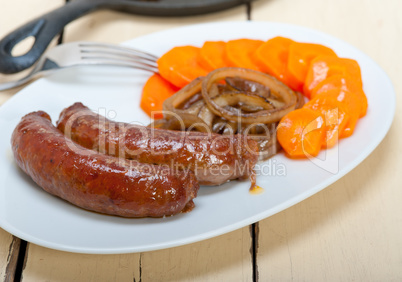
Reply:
x=277, y=88
x=239, y=98
x=249, y=103
x=173, y=103
x=188, y=117
x=265, y=135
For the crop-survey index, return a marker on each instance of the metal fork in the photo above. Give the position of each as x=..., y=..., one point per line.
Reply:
x=87, y=53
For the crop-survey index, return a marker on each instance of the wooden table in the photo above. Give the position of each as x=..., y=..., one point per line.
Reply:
x=351, y=231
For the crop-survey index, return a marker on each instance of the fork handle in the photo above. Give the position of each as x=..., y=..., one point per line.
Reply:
x=43, y=29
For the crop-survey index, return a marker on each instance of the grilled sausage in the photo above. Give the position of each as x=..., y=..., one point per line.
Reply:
x=98, y=182
x=214, y=158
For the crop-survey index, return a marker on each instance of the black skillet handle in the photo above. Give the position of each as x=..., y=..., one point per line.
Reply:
x=44, y=29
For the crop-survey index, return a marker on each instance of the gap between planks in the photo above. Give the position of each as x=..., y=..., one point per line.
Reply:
x=254, y=233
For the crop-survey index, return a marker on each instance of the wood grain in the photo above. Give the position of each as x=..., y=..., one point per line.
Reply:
x=116, y=27
x=44, y=264
x=351, y=231
x=225, y=258
x=9, y=248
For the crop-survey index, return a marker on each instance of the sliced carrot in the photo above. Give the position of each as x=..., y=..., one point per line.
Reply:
x=156, y=90
x=323, y=67
x=300, y=57
x=212, y=55
x=352, y=104
x=300, y=133
x=343, y=82
x=335, y=115
x=238, y=53
x=180, y=65
x=272, y=57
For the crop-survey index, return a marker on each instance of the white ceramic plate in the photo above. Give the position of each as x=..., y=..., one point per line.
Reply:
x=31, y=214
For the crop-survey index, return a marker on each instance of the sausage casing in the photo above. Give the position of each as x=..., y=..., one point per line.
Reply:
x=95, y=181
x=214, y=158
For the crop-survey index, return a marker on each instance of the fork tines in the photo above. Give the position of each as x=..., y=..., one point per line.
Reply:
x=108, y=54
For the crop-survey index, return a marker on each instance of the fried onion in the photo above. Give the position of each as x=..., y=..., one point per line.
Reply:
x=232, y=101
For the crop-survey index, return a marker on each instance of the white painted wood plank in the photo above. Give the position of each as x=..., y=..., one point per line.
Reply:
x=116, y=27
x=44, y=264
x=9, y=248
x=352, y=231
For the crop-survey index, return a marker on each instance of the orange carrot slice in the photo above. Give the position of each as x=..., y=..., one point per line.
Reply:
x=323, y=67
x=156, y=90
x=300, y=133
x=180, y=65
x=212, y=55
x=344, y=82
x=352, y=105
x=300, y=57
x=272, y=57
x=238, y=53
x=335, y=115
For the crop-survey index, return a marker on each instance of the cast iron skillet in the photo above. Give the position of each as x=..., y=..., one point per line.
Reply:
x=46, y=27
